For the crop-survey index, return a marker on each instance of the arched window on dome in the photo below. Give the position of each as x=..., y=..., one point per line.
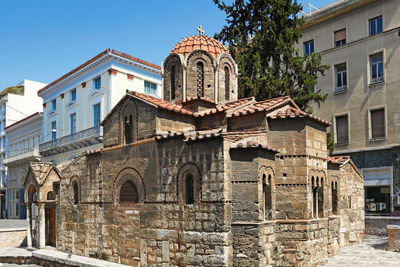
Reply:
x=173, y=85
x=200, y=79
x=227, y=83
x=128, y=193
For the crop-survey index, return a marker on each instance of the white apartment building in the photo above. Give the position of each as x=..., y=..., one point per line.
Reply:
x=75, y=104
x=360, y=41
x=23, y=147
x=16, y=102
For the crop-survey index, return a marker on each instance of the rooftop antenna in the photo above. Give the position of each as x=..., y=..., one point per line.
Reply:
x=311, y=8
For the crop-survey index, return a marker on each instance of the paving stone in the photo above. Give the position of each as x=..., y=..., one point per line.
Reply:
x=371, y=253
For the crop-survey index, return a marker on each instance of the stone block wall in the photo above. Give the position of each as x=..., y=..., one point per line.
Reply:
x=351, y=204
x=303, y=242
x=161, y=228
x=254, y=244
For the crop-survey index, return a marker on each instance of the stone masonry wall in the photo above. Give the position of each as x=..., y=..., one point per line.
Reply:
x=158, y=230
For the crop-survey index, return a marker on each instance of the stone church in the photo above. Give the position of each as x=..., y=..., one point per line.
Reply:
x=201, y=178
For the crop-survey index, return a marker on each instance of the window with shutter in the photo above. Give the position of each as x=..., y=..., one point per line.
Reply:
x=342, y=129
x=377, y=123
x=340, y=37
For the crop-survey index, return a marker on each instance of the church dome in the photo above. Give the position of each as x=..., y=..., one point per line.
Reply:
x=202, y=42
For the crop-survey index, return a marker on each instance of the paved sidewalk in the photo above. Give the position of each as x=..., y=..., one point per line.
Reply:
x=371, y=253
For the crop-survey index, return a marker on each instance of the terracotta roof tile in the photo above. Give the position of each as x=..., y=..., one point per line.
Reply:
x=204, y=42
x=226, y=106
x=252, y=144
x=292, y=112
x=338, y=159
x=164, y=104
x=105, y=52
x=260, y=106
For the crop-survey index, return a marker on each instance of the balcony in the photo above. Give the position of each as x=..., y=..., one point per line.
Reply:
x=23, y=155
x=70, y=142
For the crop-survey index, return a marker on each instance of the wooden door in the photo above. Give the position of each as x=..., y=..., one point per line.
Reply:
x=52, y=227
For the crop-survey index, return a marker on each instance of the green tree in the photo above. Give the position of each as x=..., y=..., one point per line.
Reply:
x=262, y=37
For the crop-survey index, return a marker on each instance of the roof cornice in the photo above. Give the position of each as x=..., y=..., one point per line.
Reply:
x=333, y=10
x=98, y=59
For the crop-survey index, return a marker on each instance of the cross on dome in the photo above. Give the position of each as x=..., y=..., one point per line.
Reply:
x=200, y=30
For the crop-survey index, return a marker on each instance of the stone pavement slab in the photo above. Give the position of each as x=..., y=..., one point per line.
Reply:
x=54, y=256
x=371, y=253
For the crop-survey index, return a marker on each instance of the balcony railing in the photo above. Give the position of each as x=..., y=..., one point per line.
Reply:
x=22, y=154
x=78, y=139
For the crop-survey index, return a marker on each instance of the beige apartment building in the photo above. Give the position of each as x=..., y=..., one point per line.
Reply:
x=360, y=40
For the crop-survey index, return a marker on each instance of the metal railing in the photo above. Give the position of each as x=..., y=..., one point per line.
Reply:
x=90, y=132
x=22, y=154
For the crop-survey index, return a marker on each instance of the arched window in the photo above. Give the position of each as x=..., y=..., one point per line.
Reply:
x=267, y=195
x=75, y=187
x=128, y=193
x=200, y=79
x=334, y=197
x=189, y=189
x=321, y=198
x=173, y=85
x=227, y=83
x=314, y=189
x=128, y=129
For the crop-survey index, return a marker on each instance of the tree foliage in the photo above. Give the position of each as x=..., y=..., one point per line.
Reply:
x=262, y=37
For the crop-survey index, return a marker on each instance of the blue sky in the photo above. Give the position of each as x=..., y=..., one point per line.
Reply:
x=42, y=40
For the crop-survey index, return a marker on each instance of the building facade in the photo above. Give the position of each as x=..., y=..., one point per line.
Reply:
x=75, y=104
x=16, y=102
x=359, y=40
x=201, y=179
x=22, y=148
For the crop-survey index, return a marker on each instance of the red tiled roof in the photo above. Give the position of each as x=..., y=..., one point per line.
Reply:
x=198, y=99
x=292, y=112
x=105, y=52
x=252, y=144
x=164, y=104
x=338, y=159
x=260, y=106
x=226, y=106
x=26, y=118
x=203, y=42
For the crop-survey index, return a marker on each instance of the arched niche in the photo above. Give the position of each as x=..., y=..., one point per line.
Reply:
x=189, y=184
x=267, y=197
x=227, y=79
x=31, y=194
x=128, y=123
x=128, y=181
